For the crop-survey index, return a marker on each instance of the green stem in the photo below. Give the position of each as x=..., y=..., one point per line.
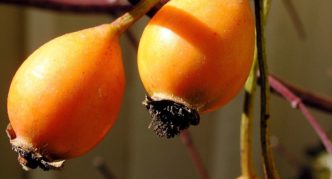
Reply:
x=266, y=10
x=269, y=166
x=246, y=123
x=126, y=20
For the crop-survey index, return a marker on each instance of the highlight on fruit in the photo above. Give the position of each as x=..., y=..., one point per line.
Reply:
x=194, y=60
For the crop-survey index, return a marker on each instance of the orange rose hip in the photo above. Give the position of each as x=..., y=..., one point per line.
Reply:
x=65, y=97
x=194, y=57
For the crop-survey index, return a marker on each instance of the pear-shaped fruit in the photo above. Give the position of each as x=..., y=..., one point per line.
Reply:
x=66, y=96
x=194, y=57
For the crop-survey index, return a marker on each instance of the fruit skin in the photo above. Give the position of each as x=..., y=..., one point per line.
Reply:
x=197, y=53
x=66, y=96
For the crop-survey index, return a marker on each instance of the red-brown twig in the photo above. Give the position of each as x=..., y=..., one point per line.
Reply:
x=103, y=169
x=295, y=18
x=194, y=155
x=296, y=102
x=100, y=6
x=79, y=6
x=310, y=99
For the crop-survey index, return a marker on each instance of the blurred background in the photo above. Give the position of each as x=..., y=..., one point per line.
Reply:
x=131, y=150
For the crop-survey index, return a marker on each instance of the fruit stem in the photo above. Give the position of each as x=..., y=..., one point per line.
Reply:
x=194, y=154
x=123, y=22
x=268, y=161
x=102, y=167
x=247, y=123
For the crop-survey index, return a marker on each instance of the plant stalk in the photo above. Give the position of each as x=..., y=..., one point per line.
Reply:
x=268, y=162
x=194, y=154
x=123, y=22
x=296, y=102
x=247, y=123
x=309, y=98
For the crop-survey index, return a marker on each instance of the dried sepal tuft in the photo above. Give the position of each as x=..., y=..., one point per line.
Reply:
x=169, y=118
x=29, y=157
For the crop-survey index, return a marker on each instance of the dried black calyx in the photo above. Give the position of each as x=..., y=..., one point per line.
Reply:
x=30, y=158
x=169, y=118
